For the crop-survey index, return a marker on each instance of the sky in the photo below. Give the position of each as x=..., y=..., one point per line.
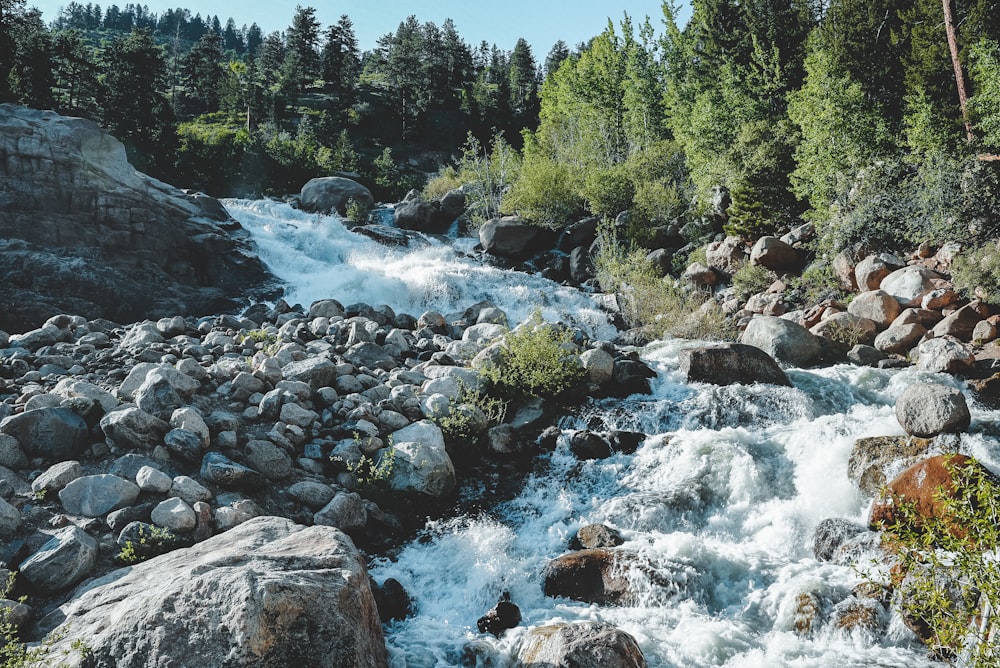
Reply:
x=541, y=22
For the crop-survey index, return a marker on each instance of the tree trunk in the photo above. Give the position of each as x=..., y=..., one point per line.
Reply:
x=949, y=27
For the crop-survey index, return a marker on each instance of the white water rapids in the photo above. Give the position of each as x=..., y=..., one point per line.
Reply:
x=721, y=500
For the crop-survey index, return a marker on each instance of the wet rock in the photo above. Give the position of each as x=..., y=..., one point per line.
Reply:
x=50, y=433
x=591, y=536
x=630, y=377
x=626, y=442
x=730, y=363
x=97, y=495
x=290, y=594
x=511, y=238
x=808, y=608
x=928, y=409
x=587, y=444
x=863, y=355
x=502, y=616
x=599, y=364
x=581, y=645
x=876, y=460
x=421, y=463
x=391, y=600
x=331, y=194
x=831, y=533
x=592, y=576
x=856, y=614
x=783, y=340
x=421, y=216
x=68, y=557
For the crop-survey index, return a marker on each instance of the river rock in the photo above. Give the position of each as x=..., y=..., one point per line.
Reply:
x=268, y=459
x=105, y=240
x=909, y=285
x=68, y=557
x=877, y=459
x=944, y=355
x=871, y=271
x=599, y=364
x=629, y=377
x=586, y=444
x=132, y=428
x=345, y=511
x=330, y=194
x=876, y=305
x=391, y=600
x=928, y=409
x=69, y=388
x=784, y=340
x=900, y=339
x=97, y=495
x=316, y=371
x=961, y=324
x=219, y=470
x=50, y=433
x=512, y=238
x=149, y=479
x=580, y=645
x=11, y=454
x=416, y=214
x=311, y=494
x=831, y=533
x=189, y=489
x=10, y=519
x=730, y=363
x=421, y=463
x=726, y=255
x=174, y=515
x=266, y=593
x=591, y=536
x=592, y=576
x=57, y=476
x=502, y=616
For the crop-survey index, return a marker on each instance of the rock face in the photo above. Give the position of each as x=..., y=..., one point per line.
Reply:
x=81, y=231
x=266, y=593
x=731, y=363
x=330, y=194
x=582, y=645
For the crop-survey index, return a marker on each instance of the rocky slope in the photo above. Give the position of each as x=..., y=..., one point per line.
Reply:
x=81, y=231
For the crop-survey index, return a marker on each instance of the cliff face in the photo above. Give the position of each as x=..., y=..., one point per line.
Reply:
x=81, y=231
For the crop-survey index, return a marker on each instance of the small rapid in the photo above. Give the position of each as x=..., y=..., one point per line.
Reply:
x=719, y=503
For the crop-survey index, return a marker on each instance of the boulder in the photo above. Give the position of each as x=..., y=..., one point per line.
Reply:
x=944, y=355
x=106, y=240
x=268, y=459
x=629, y=377
x=586, y=444
x=580, y=645
x=699, y=275
x=391, y=600
x=150, y=479
x=599, y=365
x=133, y=428
x=961, y=324
x=453, y=205
x=421, y=216
x=183, y=444
x=330, y=194
x=421, y=463
x=928, y=409
x=316, y=371
x=219, y=470
x=592, y=536
x=909, y=285
x=773, y=253
x=502, y=616
x=57, y=476
x=592, y=576
x=900, y=339
x=877, y=459
x=346, y=511
x=10, y=519
x=871, y=271
x=876, y=305
x=729, y=363
x=266, y=593
x=784, y=340
x=512, y=238
x=831, y=533
x=726, y=255
x=581, y=266
x=53, y=433
x=68, y=557
x=174, y=515
x=11, y=454
x=97, y=495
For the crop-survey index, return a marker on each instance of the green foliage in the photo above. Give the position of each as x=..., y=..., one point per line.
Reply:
x=373, y=473
x=536, y=360
x=976, y=271
x=609, y=191
x=446, y=180
x=468, y=414
x=658, y=305
x=547, y=192
x=817, y=283
x=490, y=177
x=356, y=212
x=985, y=104
x=751, y=279
x=133, y=552
x=952, y=576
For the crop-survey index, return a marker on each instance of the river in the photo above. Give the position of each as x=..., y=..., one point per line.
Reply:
x=721, y=500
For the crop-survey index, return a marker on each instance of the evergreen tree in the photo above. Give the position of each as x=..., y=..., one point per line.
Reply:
x=254, y=38
x=302, y=61
x=77, y=88
x=29, y=75
x=232, y=39
x=342, y=59
x=400, y=56
x=523, y=86
x=557, y=54
x=202, y=71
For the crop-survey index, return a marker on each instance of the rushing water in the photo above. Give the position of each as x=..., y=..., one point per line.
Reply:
x=720, y=501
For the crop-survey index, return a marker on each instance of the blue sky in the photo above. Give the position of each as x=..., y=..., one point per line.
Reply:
x=541, y=22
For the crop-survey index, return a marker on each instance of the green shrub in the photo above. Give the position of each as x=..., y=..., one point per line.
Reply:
x=610, y=191
x=446, y=180
x=356, y=212
x=954, y=576
x=534, y=361
x=817, y=283
x=751, y=279
x=977, y=271
x=463, y=421
x=547, y=192
x=16, y=654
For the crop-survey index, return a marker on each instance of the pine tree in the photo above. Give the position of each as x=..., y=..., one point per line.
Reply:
x=302, y=62
x=202, y=70
x=76, y=88
x=341, y=59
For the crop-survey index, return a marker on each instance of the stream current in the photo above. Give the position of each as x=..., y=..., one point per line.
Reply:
x=720, y=502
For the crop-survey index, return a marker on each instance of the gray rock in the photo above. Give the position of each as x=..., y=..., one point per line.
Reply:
x=57, y=476
x=370, y=355
x=591, y=536
x=292, y=413
x=149, y=479
x=346, y=511
x=50, y=433
x=10, y=519
x=218, y=469
x=512, y=238
x=929, y=409
x=784, y=340
x=330, y=194
x=311, y=494
x=730, y=363
x=132, y=428
x=699, y=275
x=97, y=495
x=326, y=308
x=900, y=339
x=909, y=285
x=831, y=533
x=184, y=444
x=863, y=355
x=871, y=271
x=238, y=512
x=961, y=324
x=316, y=371
x=68, y=557
x=289, y=595
x=876, y=460
x=68, y=388
x=135, y=378
x=421, y=216
x=774, y=254
x=11, y=454
x=599, y=364
x=189, y=489
x=421, y=463
x=877, y=305
x=164, y=390
x=580, y=645
x=268, y=459
x=174, y=515
x=944, y=355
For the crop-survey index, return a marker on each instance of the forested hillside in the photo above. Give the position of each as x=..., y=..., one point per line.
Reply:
x=877, y=121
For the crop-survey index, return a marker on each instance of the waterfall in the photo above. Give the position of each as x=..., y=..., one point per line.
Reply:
x=720, y=502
